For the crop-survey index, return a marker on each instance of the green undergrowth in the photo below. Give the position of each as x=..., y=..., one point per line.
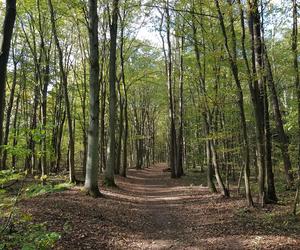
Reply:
x=285, y=196
x=276, y=220
x=8, y=176
x=18, y=230
x=37, y=189
x=26, y=235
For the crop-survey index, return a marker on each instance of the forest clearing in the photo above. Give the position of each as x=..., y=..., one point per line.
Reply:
x=149, y=124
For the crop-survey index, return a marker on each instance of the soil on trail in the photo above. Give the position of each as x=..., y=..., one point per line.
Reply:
x=149, y=210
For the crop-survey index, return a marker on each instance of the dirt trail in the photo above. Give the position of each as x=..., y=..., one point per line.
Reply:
x=149, y=210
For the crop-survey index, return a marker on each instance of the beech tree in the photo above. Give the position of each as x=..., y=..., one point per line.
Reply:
x=8, y=26
x=111, y=154
x=91, y=178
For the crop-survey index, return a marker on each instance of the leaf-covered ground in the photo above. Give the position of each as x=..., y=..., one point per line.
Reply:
x=149, y=210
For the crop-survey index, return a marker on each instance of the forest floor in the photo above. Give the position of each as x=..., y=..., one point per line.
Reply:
x=149, y=210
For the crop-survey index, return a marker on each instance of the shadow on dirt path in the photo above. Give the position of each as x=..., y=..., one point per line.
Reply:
x=149, y=210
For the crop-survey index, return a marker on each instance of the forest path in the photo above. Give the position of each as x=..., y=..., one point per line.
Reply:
x=149, y=210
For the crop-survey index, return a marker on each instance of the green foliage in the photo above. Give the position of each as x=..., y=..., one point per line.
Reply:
x=6, y=203
x=40, y=189
x=18, y=150
x=29, y=236
x=9, y=175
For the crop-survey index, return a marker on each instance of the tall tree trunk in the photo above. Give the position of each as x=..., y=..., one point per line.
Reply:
x=283, y=139
x=8, y=113
x=59, y=141
x=297, y=85
x=46, y=80
x=240, y=98
x=102, y=149
x=82, y=92
x=210, y=182
x=271, y=194
x=181, y=109
x=111, y=161
x=173, y=161
x=30, y=162
x=125, y=109
x=8, y=26
x=125, y=140
x=15, y=129
x=270, y=191
x=92, y=166
x=121, y=128
x=258, y=95
x=102, y=127
x=206, y=112
x=71, y=155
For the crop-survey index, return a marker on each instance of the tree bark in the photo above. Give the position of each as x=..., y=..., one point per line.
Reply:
x=8, y=26
x=8, y=113
x=111, y=161
x=270, y=192
x=92, y=165
x=297, y=85
x=181, y=109
x=283, y=139
x=173, y=138
x=15, y=130
x=125, y=100
x=258, y=93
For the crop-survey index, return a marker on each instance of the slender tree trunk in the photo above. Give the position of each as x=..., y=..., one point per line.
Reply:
x=92, y=166
x=240, y=97
x=283, y=139
x=71, y=155
x=210, y=182
x=205, y=114
x=181, y=110
x=30, y=162
x=121, y=128
x=102, y=127
x=173, y=138
x=111, y=161
x=59, y=141
x=102, y=161
x=125, y=109
x=297, y=85
x=46, y=81
x=258, y=94
x=15, y=130
x=153, y=142
x=8, y=114
x=271, y=194
x=125, y=139
x=8, y=26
